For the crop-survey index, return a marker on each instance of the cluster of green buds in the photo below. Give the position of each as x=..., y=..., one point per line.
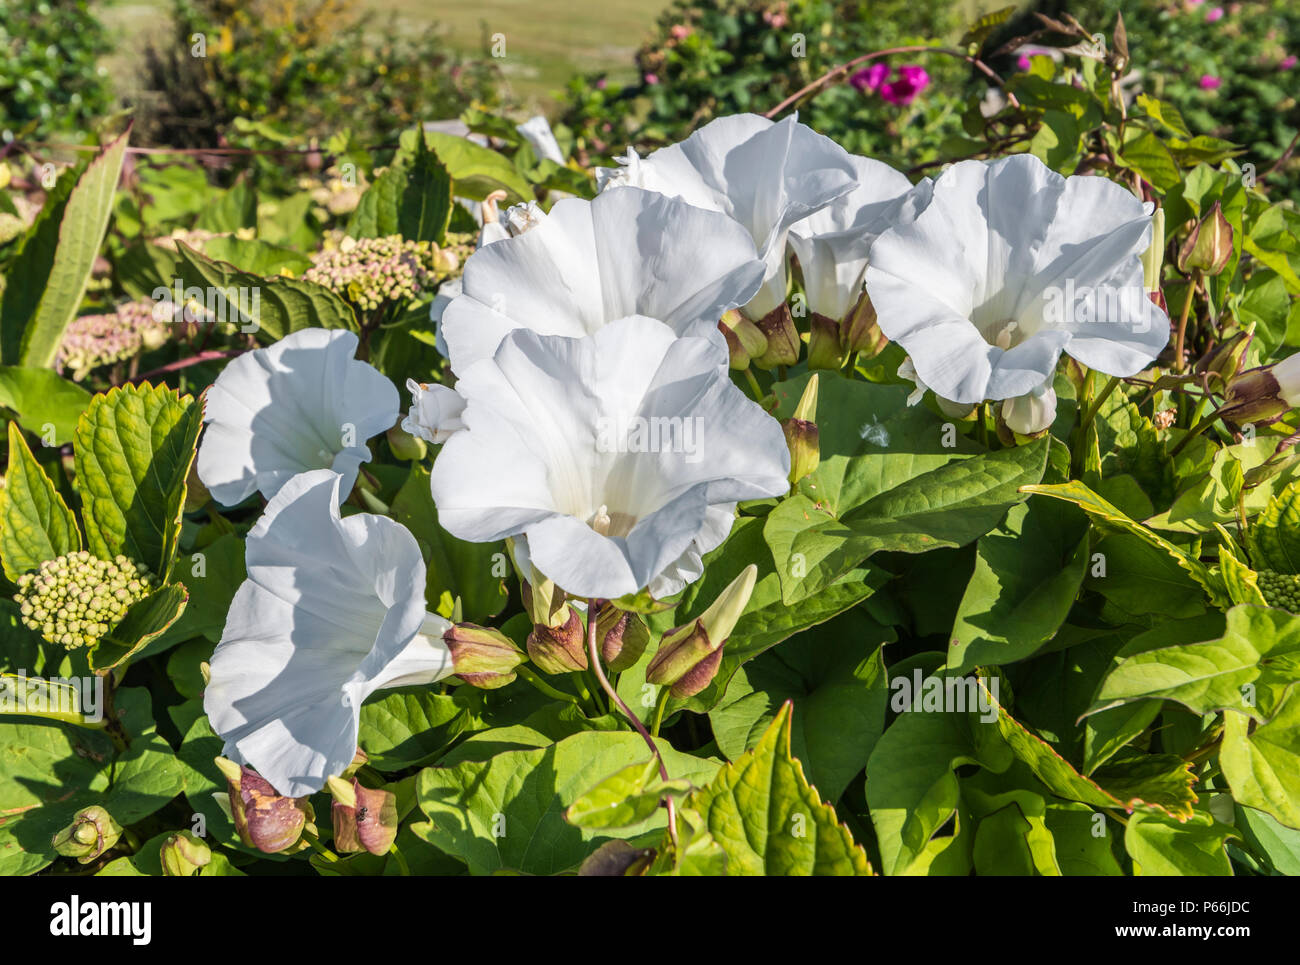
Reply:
x=92, y=341
x=1279, y=589
x=371, y=271
x=74, y=600
x=92, y=832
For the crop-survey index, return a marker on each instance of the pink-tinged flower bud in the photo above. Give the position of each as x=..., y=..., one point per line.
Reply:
x=365, y=819
x=782, y=338
x=824, y=349
x=802, y=436
x=622, y=636
x=1226, y=360
x=92, y=832
x=745, y=341
x=1209, y=246
x=559, y=649
x=859, y=330
x=1265, y=394
x=184, y=855
x=484, y=658
x=688, y=656
x=264, y=819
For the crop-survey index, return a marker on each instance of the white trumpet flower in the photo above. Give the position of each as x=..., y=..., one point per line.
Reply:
x=333, y=609
x=303, y=403
x=765, y=175
x=1009, y=265
x=615, y=459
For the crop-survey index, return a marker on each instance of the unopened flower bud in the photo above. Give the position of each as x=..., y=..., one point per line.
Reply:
x=183, y=855
x=483, y=657
x=622, y=636
x=1153, y=258
x=365, y=819
x=802, y=435
x=824, y=349
x=558, y=649
x=1264, y=394
x=1227, y=359
x=859, y=331
x=92, y=832
x=782, y=338
x=1209, y=246
x=406, y=446
x=745, y=341
x=264, y=819
x=1032, y=414
x=688, y=656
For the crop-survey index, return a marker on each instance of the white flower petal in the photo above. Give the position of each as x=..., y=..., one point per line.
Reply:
x=290, y=408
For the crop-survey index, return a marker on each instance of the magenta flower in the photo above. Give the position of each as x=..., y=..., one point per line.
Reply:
x=1213, y=14
x=870, y=78
x=1287, y=62
x=1023, y=63
x=652, y=79
x=1210, y=82
x=912, y=79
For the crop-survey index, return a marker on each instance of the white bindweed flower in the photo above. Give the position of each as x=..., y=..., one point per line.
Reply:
x=1009, y=265
x=765, y=175
x=618, y=457
x=537, y=132
x=588, y=263
x=435, y=412
x=832, y=244
x=1033, y=412
x=303, y=403
x=333, y=609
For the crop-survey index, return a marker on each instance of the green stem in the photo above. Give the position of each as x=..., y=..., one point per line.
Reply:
x=660, y=705
x=402, y=866
x=753, y=385
x=544, y=687
x=1076, y=457
x=1180, y=342
x=981, y=426
x=314, y=841
x=1195, y=431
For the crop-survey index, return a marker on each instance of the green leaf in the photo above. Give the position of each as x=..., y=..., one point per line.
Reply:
x=769, y=820
x=1278, y=845
x=41, y=398
x=836, y=680
x=1160, y=845
x=474, y=572
x=476, y=171
x=628, y=797
x=256, y=256
x=59, y=280
x=408, y=727
x=230, y=210
x=1108, y=517
x=1141, y=578
x=134, y=449
x=35, y=523
x=1058, y=142
x=283, y=305
x=1262, y=766
x=1146, y=154
x=1027, y=574
x=1275, y=535
x=1248, y=663
x=507, y=813
x=212, y=575
x=412, y=199
x=145, y=621
x=1164, y=112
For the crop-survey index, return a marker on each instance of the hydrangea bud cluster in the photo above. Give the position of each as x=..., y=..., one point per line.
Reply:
x=371, y=271
x=74, y=600
x=1279, y=589
x=91, y=341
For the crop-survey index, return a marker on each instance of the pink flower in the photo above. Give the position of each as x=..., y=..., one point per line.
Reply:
x=652, y=79
x=1023, y=63
x=912, y=79
x=1195, y=3
x=680, y=31
x=870, y=78
x=601, y=84
x=1287, y=62
x=1210, y=82
x=1215, y=13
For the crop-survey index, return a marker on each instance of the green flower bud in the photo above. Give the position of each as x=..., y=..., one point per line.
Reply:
x=689, y=655
x=824, y=349
x=782, y=338
x=622, y=635
x=1264, y=394
x=92, y=832
x=802, y=435
x=745, y=342
x=75, y=599
x=860, y=332
x=365, y=819
x=483, y=658
x=1227, y=359
x=1153, y=258
x=1209, y=246
x=184, y=855
x=406, y=446
x=559, y=649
